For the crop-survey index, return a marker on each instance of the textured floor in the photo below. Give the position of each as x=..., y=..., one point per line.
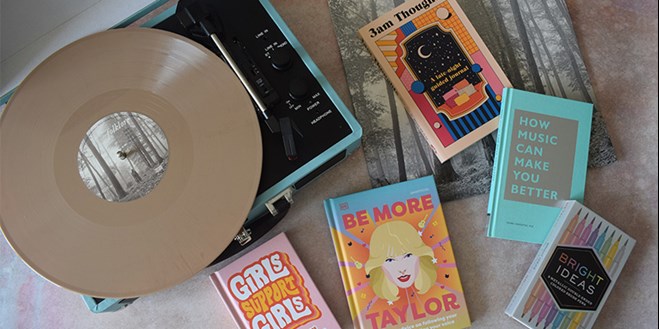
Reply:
x=619, y=42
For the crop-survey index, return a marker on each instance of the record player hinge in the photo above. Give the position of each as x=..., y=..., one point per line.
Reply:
x=244, y=236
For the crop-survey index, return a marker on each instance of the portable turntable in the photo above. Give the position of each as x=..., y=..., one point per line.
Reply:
x=304, y=127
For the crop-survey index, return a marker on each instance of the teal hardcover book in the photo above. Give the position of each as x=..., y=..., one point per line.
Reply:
x=541, y=159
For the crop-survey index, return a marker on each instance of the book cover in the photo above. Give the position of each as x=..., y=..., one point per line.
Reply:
x=270, y=288
x=396, y=258
x=443, y=72
x=534, y=43
x=573, y=272
x=540, y=160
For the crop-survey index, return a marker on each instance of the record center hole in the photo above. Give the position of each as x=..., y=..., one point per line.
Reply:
x=123, y=156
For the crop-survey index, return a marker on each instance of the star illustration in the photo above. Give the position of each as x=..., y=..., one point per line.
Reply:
x=390, y=302
x=420, y=233
x=434, y=260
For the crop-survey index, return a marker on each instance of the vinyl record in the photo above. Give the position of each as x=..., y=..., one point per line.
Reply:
x=128, y=161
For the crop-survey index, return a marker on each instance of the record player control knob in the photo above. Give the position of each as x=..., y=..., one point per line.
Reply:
x=281, y=59
x=298, y=88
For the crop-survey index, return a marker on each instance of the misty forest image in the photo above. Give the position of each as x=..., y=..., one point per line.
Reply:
x=534, y=43
x=123, y=156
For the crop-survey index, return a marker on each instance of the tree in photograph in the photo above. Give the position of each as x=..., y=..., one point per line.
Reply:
x=543, y=69
x=510, y=62
x=363, y=75
x=139, y=148
x=489, y=147
x=419, y=144
x=526, y=46
x=154, y=135
x=550, y=57
x=85, y=164
x=569, y=51
x=111, y=157
x=118, y=189
x=402, y=175
x=147, y=140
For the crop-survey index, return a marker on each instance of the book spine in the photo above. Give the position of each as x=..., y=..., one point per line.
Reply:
x=498, y=157
x=341, y=254
x=338, y=246
x=222, y=290
x=532, y=275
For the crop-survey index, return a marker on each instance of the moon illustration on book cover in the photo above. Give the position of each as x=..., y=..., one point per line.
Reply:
x=447, y=76
x=445, y=71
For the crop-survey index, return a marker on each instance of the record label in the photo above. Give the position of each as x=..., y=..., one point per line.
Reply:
x=123, y=156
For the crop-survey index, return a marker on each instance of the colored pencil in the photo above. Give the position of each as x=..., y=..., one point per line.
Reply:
x=558, y=320
x=600, y=240
x=593, y=235
x=608, y=260
x=553, y=311
x=546, y=306
x=570, y=228
x=532, y=297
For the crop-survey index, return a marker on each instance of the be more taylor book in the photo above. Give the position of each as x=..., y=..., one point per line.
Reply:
x=443, y=72
x=541, y=159
x=396, y=258
x=573, y=272
x=269, y=288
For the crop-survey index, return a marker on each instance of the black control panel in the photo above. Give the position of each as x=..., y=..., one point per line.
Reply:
x=306, y=120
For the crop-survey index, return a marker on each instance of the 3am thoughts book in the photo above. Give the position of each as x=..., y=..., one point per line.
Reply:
x=269, y=288
x=573, y=272
x=396, y=258
x=541, y=159
x=446, y=77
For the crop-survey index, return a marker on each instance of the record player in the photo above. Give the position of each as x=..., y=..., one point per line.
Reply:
x=305, y=129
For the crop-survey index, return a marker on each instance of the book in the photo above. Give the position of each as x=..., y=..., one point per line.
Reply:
x=443, y=72
x=541, y=159
x=396, y=258
x=536, y=47
x=573, y=273
x=270, y=288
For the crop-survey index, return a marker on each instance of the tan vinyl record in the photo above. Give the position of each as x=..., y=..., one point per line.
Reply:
x=120, y=248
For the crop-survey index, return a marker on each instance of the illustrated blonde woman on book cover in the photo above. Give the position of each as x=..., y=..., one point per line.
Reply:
x=399, y=259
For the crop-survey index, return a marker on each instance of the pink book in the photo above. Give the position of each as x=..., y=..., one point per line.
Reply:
x=270, y=288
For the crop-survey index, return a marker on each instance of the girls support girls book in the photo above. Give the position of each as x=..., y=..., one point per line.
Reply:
x=443, y=72
x=573, y=273
x=540, y=159
x=270, y=288
x=396, y=258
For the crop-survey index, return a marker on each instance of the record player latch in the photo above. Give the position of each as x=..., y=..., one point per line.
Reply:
x=284, y=196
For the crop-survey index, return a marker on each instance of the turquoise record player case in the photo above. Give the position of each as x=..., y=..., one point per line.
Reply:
x=323, y=131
